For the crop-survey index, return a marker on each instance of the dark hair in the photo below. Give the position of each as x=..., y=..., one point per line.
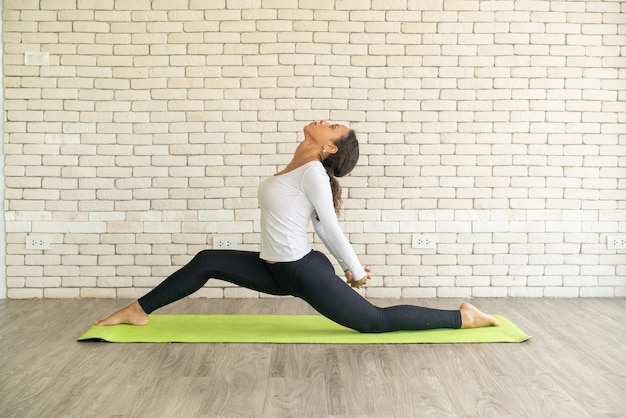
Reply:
x=341, y=163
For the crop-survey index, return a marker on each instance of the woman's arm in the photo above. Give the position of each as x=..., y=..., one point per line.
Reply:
x=317, y=188
x=319, y=230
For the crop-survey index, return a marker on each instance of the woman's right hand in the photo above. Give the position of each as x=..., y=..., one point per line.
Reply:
x=358, y=283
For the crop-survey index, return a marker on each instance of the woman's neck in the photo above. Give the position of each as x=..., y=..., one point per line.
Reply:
x=302, y=156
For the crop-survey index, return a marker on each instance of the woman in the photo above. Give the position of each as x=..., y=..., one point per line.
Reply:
x=305, y=191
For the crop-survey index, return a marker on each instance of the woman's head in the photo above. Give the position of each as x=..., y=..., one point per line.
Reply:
x=339, y=152
x=344, y=159
x=337, y=144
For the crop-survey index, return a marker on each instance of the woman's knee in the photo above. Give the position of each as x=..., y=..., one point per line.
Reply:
x=203, y=262
x=205, y=258
x=203, y=254
x=373, y=327
x=366, y=322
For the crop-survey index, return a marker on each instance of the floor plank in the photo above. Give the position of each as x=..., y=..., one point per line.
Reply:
x=300, y=397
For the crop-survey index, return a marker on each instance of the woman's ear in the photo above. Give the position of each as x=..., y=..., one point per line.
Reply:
x=330, y=148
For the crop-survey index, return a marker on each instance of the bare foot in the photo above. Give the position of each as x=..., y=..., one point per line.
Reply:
x=132, y=314
x=473, y=318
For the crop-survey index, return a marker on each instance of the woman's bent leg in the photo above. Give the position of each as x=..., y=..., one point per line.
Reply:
x=242, y=268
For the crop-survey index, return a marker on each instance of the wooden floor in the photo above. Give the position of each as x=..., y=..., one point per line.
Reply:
x=574, y=366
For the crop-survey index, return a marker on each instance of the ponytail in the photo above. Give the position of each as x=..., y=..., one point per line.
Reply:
x=340, y=164
x=335, y=188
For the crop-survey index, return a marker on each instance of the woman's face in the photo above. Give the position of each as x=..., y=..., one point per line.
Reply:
x=324, y=133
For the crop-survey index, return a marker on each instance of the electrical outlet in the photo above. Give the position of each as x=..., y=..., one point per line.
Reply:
x=616, y=242
x=36, y=58
x=37, y=242
x=424, y=241
x=224, y=243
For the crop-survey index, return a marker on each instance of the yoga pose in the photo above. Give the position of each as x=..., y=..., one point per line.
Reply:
x=305, y=191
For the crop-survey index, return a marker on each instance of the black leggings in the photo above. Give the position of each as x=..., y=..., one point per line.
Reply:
x=311, y=278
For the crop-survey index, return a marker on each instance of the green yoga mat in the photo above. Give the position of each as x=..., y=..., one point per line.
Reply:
x=290, y=329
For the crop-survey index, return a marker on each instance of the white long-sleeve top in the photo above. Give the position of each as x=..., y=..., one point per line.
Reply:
x=288, y=203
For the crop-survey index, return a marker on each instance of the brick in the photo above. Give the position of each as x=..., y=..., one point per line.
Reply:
x=489, y=292
x=418, y=293
x=454, y=292
x=382, y=292
x=17, y=293
x=95, y=293
x=240, y=293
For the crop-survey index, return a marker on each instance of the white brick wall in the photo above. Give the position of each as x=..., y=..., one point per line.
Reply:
x=498, y=126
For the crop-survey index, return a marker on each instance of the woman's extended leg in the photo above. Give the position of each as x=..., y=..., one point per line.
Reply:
x=242, y=268
x=313, y=279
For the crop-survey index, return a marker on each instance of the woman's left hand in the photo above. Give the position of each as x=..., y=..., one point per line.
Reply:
x=358, y=283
